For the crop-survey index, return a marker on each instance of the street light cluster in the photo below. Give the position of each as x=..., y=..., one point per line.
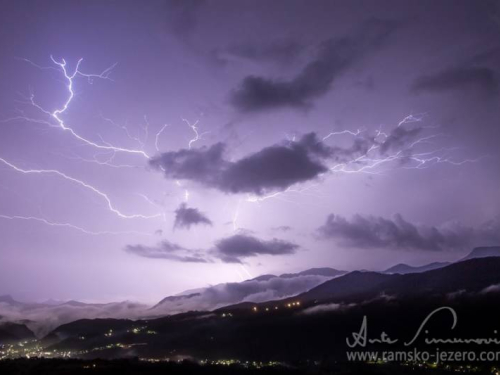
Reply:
x=288, y=306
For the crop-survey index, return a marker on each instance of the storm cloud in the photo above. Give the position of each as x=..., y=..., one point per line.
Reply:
x=367, y=232
x=460, y=78
x=185, y=217
x=279, y=51
x=182, y=16
x=334, y=57
x=235, y=248
x=272, y=168
x=277, y=167
x=167, y=250
x=399, y=138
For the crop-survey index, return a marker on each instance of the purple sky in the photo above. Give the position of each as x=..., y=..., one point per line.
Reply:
x=265, y=187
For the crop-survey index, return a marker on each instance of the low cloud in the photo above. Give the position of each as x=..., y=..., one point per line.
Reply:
x=234, y=249
x=334, y=57
x=185, y=217
x=366, y=232
x=167, y=250
x=221, y=295
x=457, y=79
x=43, y=318
x=325, y=308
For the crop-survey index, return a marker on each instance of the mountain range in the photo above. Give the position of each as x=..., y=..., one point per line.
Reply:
x=325, y=284
x=259, y=289
x=311, y=324
x=478, y=252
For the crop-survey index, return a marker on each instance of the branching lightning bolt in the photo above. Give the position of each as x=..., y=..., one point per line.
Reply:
x=157, y=137
x=57, y=113
x=194, y=128
x=68, y=225
x=411, y=118
x=81, y=183
x=356, y=133
x=370, y=164
x=373, y=158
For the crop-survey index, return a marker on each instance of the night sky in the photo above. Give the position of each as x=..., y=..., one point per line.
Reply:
x=201, y=142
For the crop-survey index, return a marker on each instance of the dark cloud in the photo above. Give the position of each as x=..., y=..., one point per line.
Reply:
x=228, y=250
x=400, y=140
x=182, y=16
x=367, y=83
x=283, y=51
x=204, y=165
x=167, y=250
x=399, y=137
x=234, y=249
x=377, y=232
x=457, y=79
x=277, y=167
x=272, y=168
x=496, y=18
x=185, y=217
x=333, y=58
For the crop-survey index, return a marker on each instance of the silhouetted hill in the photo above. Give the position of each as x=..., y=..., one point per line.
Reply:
x=176, y=298
x=258, y=289
x=12, y=332
x=348, y=286
x=7, y=299
x=472, y=276
x=483, y=252
x=325, y=271
x=90, y=327
x=264, y=277
x=405, y=268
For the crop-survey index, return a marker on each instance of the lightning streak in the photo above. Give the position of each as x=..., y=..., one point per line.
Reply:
x=369, y=164
x=186, y=191
x=81, y=183
x=371, y=161
x=108, y=162
x=236, y=215
x=421, y=161
x=194, y=128
x=411, y=118
x=57, y=113
x=356, y=133
x=303, y=191
x=125, y=130
x=68, y=225
x=246, y=271
x=157, y=137
x=146, y=130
